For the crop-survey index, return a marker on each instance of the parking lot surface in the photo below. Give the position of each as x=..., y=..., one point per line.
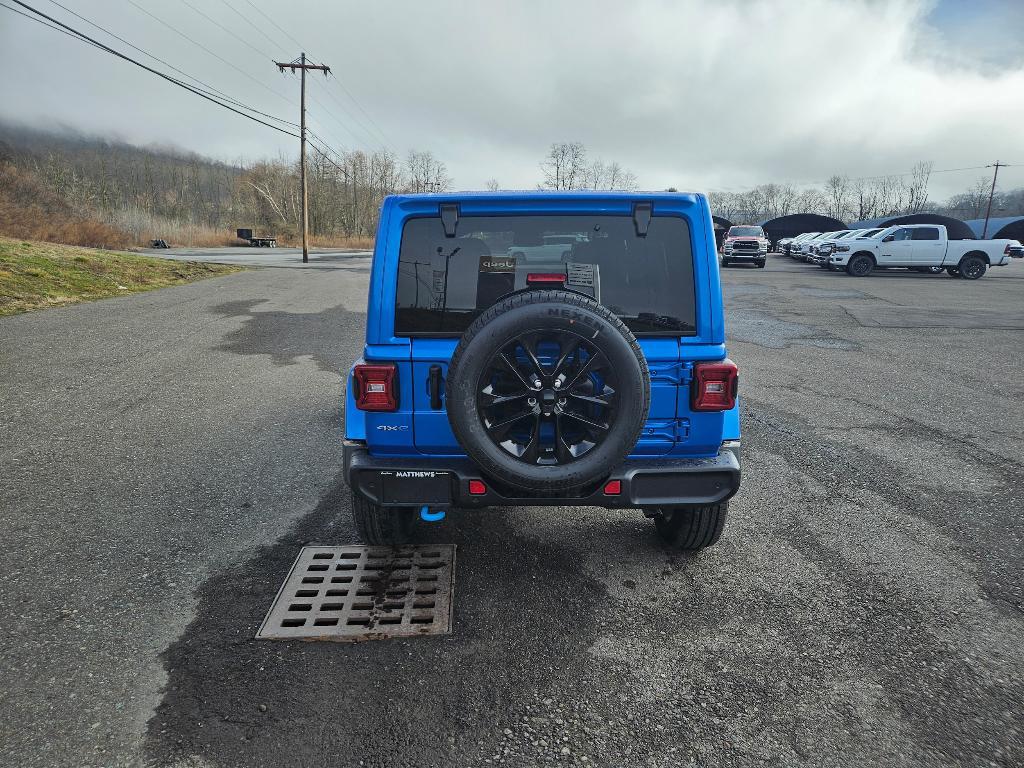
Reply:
x=166, y=455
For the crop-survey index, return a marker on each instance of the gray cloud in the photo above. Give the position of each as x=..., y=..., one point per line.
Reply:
x=691, y=94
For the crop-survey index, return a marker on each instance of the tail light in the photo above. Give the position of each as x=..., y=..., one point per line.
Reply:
x=534, y=278
x=714, y=386
x=613, y=488
x=376, y=387
x=1006, y=250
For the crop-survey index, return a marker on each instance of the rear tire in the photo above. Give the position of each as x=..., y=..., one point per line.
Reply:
x=860, y=265
x=760, y=265
x=972, y=267
x=691, y=528
x=381, y=526
x=952, y=271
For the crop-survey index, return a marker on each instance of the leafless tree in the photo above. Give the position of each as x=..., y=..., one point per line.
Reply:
x=492, y=185
x=917, y=189
x=837, y=191
x=425, y=173
x=564, y=166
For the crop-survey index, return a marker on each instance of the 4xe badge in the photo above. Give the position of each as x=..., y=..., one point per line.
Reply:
x=392, y=427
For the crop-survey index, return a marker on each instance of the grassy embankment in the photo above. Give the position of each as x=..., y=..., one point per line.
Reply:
x=37, y=275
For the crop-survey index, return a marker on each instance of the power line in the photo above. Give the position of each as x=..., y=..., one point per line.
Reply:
x=248, y=21
x=181, y=84
x=273, y=23
x=341, y=123
x=207, y=87
x=360, y=107
x=229, y=31
x=48, y=25
x=216, y=56
x=353, y=120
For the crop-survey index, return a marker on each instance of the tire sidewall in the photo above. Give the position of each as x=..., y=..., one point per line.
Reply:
x=481, y=343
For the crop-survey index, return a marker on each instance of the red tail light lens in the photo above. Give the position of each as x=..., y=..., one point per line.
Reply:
x=545, y=277
x=477, y=488
x=376, y=387
x=714, y=386
x=613, y=488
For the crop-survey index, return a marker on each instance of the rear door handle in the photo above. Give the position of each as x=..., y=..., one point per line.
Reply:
x=434, y=378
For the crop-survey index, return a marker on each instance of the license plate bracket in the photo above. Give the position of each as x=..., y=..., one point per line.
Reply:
x=415, y=487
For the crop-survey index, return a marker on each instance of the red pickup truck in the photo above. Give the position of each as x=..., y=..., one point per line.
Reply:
x=744, y=244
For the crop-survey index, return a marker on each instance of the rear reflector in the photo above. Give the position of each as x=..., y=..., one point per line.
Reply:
x=376, y=387
x=477, y=488
x=545, y=277
x=613, y=488
x=714, y=386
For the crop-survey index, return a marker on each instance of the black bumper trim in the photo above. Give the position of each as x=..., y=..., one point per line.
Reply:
x=654, y=482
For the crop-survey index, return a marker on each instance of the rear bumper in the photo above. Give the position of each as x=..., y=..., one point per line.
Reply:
x=656, y=482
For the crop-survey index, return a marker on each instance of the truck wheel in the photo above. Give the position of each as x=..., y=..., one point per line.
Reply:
x=972, y=267
x=952, y=271
x=691, y=528
x=381, y=526
x=547, y=391
x=760, y=265
x=860, y=265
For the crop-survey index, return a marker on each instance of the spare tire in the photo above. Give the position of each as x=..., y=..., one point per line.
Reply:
x=547, y=390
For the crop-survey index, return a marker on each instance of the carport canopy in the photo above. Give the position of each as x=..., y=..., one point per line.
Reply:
x=721, y=226
x=955, y=229
x=798, y=223
x=1009, y=227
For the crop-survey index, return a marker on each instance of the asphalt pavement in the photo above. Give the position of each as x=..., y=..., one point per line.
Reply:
x=165, y=455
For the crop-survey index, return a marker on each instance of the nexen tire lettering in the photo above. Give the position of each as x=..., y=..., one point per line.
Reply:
x=574, y=316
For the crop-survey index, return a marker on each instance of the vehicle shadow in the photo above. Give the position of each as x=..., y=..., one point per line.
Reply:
x=526, y=612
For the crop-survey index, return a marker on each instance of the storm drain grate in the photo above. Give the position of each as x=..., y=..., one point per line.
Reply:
x=353, y=593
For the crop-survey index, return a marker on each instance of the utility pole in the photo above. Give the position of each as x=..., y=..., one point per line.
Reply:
x=301, y=65
x=991, y=193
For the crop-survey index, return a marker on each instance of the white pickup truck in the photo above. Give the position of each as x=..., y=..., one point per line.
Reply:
x=922, y=247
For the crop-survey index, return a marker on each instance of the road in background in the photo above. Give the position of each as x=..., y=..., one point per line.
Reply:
x=166, y=455
x=262, y=257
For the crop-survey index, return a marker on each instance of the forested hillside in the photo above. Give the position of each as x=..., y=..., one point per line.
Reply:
x=89, y=191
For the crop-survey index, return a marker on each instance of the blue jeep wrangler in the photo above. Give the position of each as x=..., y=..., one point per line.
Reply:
x=544, y=349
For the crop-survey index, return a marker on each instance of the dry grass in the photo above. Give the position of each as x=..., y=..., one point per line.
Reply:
x=359, y=243
x=30, y=211
x=39, y=275
x=144, y=227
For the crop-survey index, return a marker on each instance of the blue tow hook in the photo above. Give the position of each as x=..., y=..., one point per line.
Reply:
x=431, y=517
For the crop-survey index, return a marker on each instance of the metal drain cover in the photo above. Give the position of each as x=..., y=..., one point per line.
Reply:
x=354, y=593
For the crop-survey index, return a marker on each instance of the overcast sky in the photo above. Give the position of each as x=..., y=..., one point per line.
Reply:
x=697, y=95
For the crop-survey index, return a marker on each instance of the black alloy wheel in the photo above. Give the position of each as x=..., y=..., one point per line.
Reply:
x=547, y=397
x=972, y=267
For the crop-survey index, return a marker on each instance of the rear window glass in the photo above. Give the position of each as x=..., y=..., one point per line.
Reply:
x=445, y=282
x=926, y=233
